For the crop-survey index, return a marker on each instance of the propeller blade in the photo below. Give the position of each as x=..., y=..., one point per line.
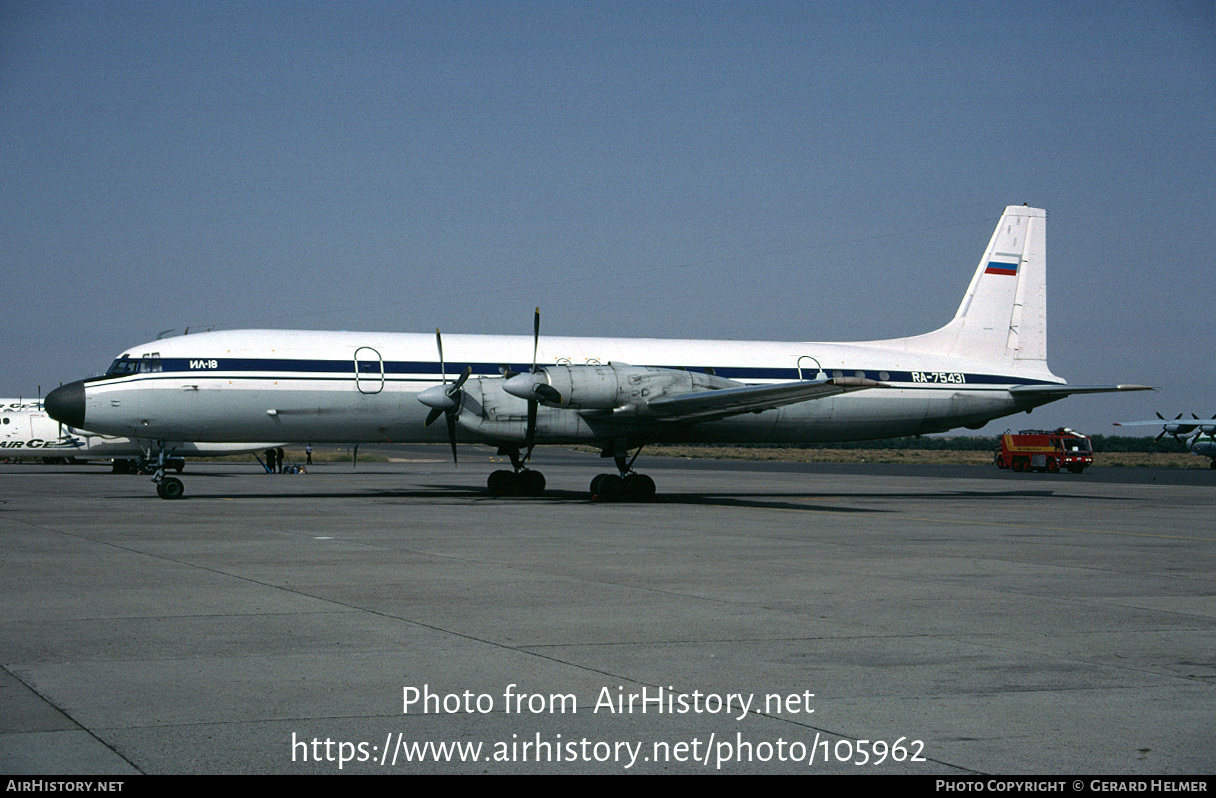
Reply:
x=452, y=435
x=533, y=404
x=443, y=372
x=535, y=337
x=445, y=400
x=530, y=435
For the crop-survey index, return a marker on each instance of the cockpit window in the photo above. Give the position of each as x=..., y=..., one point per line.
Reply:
x=130, y=365
x=123, y=365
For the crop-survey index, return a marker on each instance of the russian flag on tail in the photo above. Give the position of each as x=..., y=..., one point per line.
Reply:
x=1002, y=267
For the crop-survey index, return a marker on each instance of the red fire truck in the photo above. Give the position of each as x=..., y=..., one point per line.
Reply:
x=1045, y=450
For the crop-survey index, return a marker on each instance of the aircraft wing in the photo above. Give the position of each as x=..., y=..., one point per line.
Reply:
x=1065, y=390
x=1176, y=426
x=715, y=404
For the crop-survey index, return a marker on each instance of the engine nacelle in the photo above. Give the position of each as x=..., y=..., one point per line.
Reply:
x=488, y=410
x=609, y=387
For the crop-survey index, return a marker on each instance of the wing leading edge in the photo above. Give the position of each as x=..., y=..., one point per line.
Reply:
x=723, y=402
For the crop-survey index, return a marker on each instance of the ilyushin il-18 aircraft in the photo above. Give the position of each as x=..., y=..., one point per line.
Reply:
x=514, y=392
x=26, y=431
x=1198, y=435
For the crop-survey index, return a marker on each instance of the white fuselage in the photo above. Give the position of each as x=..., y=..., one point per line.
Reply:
x=254, y=385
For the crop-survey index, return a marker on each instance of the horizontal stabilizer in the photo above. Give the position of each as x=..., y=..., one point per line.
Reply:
x=1066, y=390
x=709, y=405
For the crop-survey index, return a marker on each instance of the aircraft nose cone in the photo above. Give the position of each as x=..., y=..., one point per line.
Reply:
x=65, y=404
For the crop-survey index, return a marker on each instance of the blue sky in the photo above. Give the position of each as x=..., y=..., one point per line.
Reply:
x=790, y=171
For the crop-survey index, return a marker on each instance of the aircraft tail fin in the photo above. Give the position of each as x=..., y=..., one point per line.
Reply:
x=1003, y=316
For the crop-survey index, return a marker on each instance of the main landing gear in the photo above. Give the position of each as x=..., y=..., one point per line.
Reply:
x=522, y=481
x=630, y=487
x=627, y=486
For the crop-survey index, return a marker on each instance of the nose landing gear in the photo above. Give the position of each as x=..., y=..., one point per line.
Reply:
x=166, y=487
x=169, y=488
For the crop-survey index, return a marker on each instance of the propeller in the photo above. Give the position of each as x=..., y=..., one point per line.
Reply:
x=533, y=404
x=1178, y=428
x=531, y=387
x=1207, y=426
x=527, y=385
x=1164, y=427
x=539, y=390
x=445, y=400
